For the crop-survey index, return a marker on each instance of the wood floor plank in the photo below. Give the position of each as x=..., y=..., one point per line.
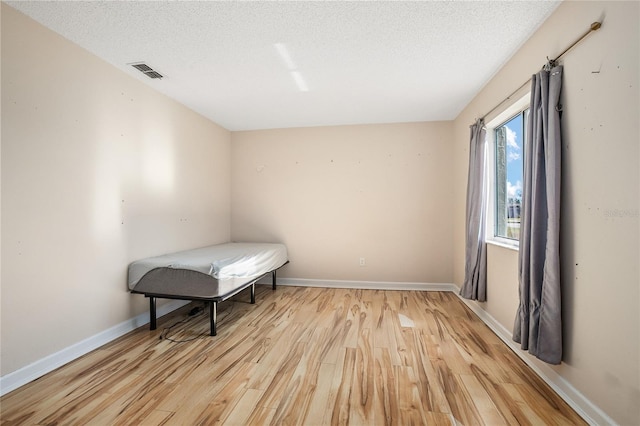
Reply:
x=261, y=416
x=341, y=388
x=108, y=408
x=302, y=386
x=486, y=407
x=432, y=397
x=381, y=311
x=220, y=408
x=442, y=419
x=462, y=408
x=509, y=411
x=275, y=392
x=409, y=407
x=158, y=418
x=243, y=409
x=528, y=415
x=301, y=356
x=362, y=387
x=320, y=402
x=274, y=356
x=392, y=333
x=385, y=401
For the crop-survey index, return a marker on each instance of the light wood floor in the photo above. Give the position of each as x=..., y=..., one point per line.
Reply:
x=299, y=356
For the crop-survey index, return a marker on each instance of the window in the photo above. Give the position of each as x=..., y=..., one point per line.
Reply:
x=506, y=134
x=509, y=140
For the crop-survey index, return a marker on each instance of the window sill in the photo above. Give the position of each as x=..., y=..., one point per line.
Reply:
x=504, y=244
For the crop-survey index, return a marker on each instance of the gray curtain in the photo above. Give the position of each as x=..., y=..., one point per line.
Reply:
x=475, y=275
x=538, y=323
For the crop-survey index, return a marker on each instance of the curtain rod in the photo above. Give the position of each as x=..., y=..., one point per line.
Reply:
x=594, y=27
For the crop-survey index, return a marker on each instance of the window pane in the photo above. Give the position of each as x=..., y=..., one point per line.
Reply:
x=509, y=171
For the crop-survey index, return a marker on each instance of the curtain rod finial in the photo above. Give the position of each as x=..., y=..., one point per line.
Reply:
x=596, y=26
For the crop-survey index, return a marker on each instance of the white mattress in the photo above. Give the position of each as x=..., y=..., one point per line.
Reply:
x=222, y=261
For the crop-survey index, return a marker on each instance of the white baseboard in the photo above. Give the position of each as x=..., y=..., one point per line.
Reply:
x=364, y=285
x=45, y=365
x=585, y=408
x=591, y=413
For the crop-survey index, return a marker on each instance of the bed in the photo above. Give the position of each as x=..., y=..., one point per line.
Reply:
x=211, y=274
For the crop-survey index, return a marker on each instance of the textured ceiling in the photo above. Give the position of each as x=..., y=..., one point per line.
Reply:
x=362, y=62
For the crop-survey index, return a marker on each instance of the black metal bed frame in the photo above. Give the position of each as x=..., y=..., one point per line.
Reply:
x=211, y=301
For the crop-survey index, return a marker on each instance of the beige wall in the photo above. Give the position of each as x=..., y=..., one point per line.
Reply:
x=335, y=194
x=97, y=170
x=600, y=231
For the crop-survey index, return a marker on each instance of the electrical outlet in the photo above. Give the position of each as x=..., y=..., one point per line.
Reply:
x=363, y=261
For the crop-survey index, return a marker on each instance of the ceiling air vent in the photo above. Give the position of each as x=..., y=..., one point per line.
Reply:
x=147, y=70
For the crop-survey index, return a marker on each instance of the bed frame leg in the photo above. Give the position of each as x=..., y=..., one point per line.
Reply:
x=213, y=317
x=152, y=313
x=273, y=279
x=253, y=293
